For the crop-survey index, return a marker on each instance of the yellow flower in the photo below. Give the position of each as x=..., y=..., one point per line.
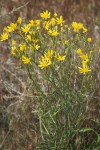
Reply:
x=44, y=62
x=60, y=20
x=12, y=27
x=53, y=32
x=19, y=20
x=59, y=57
x=35, y=40
x=99, y=49
x=85, y=30
x=77, y=26
x=6, y=30
x=45, y=15
x=49, y=54
x=46, y=25
x=81, y=54
x=25, y=29
x=89, y=40
x=36, y=46
x=37, y=22
x=55, y=14
x=66, y=42
x=29, y=37
x=46, y=59
x=62, y=28
x=79, y=51
x=13, y=42
x=26, y=60
x=13, y=50
x=91, y=52
x=84, y=63
x=22, y=47
x=84, y=70
x=4, y=36
x=31, y=23
x=84, y=57
x=53, y=21
x=80, y=26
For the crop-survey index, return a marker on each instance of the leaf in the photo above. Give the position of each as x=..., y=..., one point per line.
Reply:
x=97, y=148
x=98, y=140
x=86, y=130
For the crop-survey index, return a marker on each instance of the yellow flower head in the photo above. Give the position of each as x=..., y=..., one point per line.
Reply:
x=85, y=62
x=53, y=21
x=35, y=40
x=46, y=25
x=66, y=42
x=25, y=29
x=60, y=57
x=84, y=70
x=44, y=62
x=77, y=26
x=19, y=20
x=13, y=50
x=26, y=60
x=12, y=27
x=22, y=47
x=79, y=51
x=84, y=57
x=49, y=54
x=89, y=40
x=36, y=46
x=29, y=37
x=55, y=14
x=53, y=32
x=13, y=42
x=37, y=22
x=99, y=49
x=91, y=52
x=4, y=36
x=85, y=30
x=45, y=15
x=60, y=20
x=6, y=30
x=31, y=23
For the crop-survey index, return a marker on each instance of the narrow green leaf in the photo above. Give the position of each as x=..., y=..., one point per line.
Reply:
x=86, y=130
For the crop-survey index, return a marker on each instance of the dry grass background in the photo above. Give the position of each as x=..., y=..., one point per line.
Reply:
x=18, y=122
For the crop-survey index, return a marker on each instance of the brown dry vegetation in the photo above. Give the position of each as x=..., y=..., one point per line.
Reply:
x=17, y=117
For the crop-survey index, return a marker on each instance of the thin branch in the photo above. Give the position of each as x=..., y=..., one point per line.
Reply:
x=14, y=10
x=14, y=75
x=4, y=140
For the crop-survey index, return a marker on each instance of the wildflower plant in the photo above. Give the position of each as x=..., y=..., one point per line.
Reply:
x=59, y=60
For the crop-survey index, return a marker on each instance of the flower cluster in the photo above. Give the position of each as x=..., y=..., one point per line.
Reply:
x=45, y=41
x=7, y=30
x=78, y=26
x=48, y=58
x=30, y=36
x=85, y=61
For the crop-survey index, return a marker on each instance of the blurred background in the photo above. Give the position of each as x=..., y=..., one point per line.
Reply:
x=85, y=11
